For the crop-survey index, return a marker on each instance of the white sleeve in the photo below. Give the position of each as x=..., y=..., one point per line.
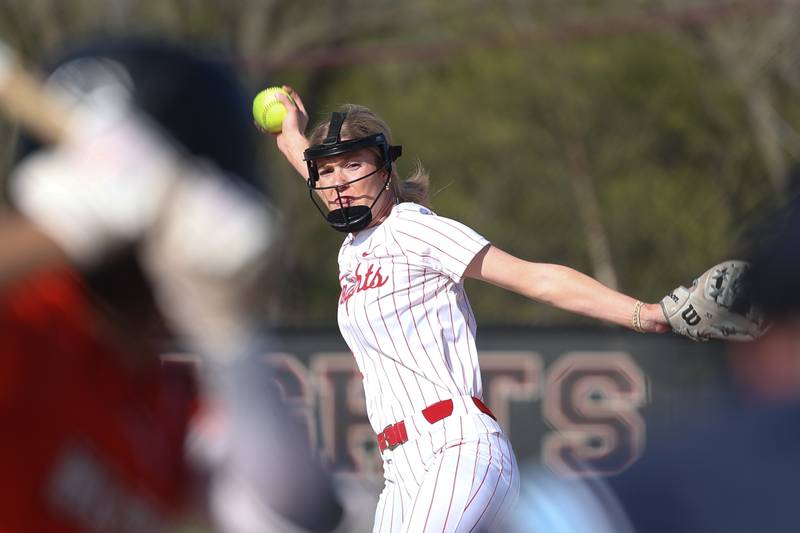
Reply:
x=441, y=243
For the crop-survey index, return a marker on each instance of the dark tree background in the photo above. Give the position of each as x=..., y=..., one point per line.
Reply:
x=634, y=140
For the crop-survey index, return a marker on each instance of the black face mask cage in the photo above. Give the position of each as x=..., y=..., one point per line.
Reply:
x=357, y=217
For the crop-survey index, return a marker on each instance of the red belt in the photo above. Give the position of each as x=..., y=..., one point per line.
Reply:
x=395, y=434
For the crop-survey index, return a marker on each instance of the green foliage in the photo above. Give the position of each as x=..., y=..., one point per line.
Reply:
x=508, y=106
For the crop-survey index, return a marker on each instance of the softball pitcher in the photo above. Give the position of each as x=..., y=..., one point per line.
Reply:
x=404, y=314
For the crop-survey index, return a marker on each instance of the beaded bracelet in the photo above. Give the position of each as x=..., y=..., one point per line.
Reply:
x=636, y=320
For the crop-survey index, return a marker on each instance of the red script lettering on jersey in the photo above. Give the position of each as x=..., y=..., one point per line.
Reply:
x=372, y=279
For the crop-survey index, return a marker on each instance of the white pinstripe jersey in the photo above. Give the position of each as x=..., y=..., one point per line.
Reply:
x=404, y=313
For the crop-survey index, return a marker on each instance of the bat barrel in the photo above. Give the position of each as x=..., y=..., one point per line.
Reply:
x=24, y=99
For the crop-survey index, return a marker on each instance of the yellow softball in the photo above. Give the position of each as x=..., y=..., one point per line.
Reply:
x=268, y=112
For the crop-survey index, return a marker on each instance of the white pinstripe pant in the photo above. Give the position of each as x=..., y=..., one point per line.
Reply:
x=461, y=476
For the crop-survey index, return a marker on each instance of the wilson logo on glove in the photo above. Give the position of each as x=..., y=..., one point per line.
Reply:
x=690, y=316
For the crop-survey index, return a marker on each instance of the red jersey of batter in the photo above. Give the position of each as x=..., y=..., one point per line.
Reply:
x=88, y=441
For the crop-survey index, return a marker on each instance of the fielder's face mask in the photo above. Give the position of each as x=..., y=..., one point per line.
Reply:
x=356, y=217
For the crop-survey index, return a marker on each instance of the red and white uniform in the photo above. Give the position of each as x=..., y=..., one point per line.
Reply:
x=404, y=314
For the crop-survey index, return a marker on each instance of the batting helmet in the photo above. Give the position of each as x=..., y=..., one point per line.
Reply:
x=197, y=101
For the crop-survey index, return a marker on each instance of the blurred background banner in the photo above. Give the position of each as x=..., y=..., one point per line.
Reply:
x=581, y=401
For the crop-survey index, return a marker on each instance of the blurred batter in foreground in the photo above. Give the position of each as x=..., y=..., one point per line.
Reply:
x=145, y=229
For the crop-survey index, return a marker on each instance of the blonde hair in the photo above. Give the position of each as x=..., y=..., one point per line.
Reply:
x=361, y=122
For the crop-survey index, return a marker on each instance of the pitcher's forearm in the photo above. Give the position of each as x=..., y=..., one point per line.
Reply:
x=292, y=148
x=565, y=288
